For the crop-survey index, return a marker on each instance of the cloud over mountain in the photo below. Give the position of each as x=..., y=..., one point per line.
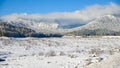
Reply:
x=98, y=10
x=82, y=16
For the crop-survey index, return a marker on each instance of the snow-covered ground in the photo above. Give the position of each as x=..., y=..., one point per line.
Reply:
x=65, y=52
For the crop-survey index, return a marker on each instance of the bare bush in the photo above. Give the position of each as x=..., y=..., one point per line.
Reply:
x=62, y=53
x=40, y=53
x=96, y=51
x=50, y=53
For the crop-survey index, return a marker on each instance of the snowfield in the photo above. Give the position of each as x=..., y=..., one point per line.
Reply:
x=65, y=52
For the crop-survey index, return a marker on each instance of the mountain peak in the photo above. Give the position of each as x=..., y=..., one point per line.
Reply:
x=109, y=22
x=107, y=16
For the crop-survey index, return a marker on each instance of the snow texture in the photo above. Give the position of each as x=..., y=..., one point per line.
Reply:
x=66, y=52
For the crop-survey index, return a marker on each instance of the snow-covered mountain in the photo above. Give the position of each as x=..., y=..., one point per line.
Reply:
x=103, y=25
x=37, y=21
x=107, y=25
x=109, y=22
x=23, y=20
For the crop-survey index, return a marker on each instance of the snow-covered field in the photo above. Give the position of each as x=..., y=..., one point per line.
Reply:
x=65, y=52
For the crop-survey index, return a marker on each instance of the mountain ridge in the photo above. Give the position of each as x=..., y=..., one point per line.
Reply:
x=103, y=25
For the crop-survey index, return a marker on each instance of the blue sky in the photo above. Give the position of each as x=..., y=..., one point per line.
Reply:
x=47, y=6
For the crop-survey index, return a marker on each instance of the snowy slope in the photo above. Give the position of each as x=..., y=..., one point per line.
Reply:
x=107, y=25
x=109, y=22
x=110, y=62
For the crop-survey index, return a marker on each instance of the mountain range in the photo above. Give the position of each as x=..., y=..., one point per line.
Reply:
x=19, y=26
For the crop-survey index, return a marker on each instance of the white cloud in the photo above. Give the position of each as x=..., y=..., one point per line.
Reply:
x=66, y=18
x=98, y=10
